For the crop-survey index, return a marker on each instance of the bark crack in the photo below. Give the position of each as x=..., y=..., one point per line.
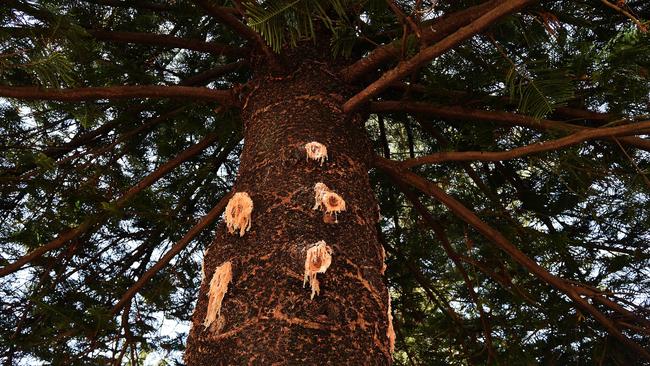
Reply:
x=359, y=277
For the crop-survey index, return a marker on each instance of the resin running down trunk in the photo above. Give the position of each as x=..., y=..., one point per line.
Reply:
x=267, y=315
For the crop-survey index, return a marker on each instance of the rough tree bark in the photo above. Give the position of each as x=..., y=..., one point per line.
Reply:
x=267, y=315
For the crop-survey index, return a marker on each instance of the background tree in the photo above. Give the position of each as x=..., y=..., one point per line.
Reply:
x=511, y=168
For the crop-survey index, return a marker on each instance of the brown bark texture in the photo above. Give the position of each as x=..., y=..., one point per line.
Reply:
x=267, y=316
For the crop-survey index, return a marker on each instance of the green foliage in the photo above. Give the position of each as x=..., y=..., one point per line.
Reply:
x=623, y=70
x=290, y=21
x=539, y=90
x=44, y=161
x=49, y=68
x=343, y=41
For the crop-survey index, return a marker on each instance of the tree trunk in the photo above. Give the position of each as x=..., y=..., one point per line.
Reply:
x=267, y=315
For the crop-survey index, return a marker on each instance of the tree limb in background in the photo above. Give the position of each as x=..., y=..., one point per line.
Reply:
x=148, y=124
x=117, y=204
x=429, y=188
x=175, y=249
x=167, y=41
x=162, y=40
x=128, y=336
x=137, y=4
x=513, y=119
x=231, y=21
x=642, y=27
x=115, y=36
x=550, y=145
x=429, y=289
x=473, y=175
x=451, y=253
x=502, y=279
x=118, y=92
x=55, y=152
x=571, y=113
x=429, y=53
x=214, y=73
x=403, y=18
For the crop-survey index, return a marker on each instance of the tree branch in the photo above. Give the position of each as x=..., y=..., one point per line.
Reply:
x=162, y=40
x=175, y=249
x=82, y=139
x=470, y=171
x=55, y=152
x=599, y=296
x=214, y=73
x=135, y=4
x=403, y=18
x=230, y=20
x=557, y=144
x=463, y=97
x=118, y=92
x=429, y=290
x=429, y=53
x=166, y=41
x=642, y=27
x=119, y=203
x=433, y=32
x=148, y=124
x=513, y=119
x=451, y=253
x=182, y=243
x=500, y=278
x=427, y=187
